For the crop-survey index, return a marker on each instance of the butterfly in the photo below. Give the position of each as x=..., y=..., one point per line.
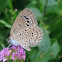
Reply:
x=25, y=31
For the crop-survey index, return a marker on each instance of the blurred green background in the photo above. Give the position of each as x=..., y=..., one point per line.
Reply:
x=49, y=17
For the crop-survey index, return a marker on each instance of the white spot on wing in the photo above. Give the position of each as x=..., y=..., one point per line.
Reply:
x=14, y=42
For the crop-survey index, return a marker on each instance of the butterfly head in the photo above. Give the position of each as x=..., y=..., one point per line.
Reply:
x=8, y=40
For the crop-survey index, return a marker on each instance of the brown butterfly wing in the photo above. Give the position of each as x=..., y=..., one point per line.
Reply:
x=25, y=18
x=29, y=37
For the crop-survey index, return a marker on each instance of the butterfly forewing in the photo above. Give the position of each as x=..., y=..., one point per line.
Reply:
x=25, y=18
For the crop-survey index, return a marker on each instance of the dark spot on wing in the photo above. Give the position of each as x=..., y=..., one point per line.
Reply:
x=29, y=28
x=20, y=34
x=32, y=33
x=21, y=16
x=25, y=43
x=14, y=30
x=29, y=42
x=33, y=29
x=25, y=30
x=20, y=25
x=33, y=43
x=28, y=21
x=26, y=17
x=36, y=32
x=34, y=40
x=22, y=38
x=29, y=39
x=27, y=25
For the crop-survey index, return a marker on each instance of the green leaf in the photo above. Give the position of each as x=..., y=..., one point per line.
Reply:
x=51, y=5
x=50, y=54
x=50, y=2
x=32, y=4
x=36, y=12
x=10, y=4
x=60, y=7
x=3, y=4
x=45, y=42
x=55, y=48
x=5, y=24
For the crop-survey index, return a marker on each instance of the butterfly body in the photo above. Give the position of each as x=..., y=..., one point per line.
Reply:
x=25, y=31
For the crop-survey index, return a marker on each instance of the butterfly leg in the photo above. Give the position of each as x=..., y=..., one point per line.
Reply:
x=9, y=45
x=18, y=48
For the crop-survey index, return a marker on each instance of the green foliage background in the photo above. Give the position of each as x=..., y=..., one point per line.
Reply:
x=49, y=17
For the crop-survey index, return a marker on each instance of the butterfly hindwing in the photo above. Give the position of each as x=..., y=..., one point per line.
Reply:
x=25, y=18
x=29, y=36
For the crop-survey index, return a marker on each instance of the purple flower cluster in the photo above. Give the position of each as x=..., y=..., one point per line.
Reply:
x=4, y=53
x=19, y=53
x=15, y=53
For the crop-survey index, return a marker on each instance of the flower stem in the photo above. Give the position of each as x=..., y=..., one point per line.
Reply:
x=44, y=10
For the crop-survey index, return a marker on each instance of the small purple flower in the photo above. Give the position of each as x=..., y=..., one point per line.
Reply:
x=16, y=52
x=5, y=52
x=17, y=48
x=20, y=54
x=14, y=47
x=15, y=56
